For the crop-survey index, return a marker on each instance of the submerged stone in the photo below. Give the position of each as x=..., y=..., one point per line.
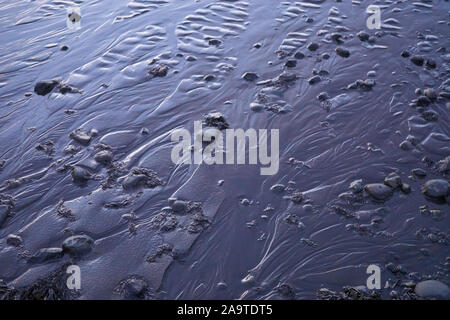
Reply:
x=378, y=191
x=78, y=245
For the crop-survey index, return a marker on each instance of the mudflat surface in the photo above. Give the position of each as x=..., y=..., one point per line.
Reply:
x=91, y=156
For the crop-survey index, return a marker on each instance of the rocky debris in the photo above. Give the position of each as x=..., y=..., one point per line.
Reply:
x=297, y=197
x=78, y=245
x=417, y=60
x=81, y=136
x=432, y=289
x=436, y=188
x=363, y=84
x=51, y=287
x=141, y=177
x=47, y=147
x=162, y=249
x=64, y=48
x=286, y=291
x=250, y=76
x=65, y=88
x=393, y=180
x=44, y=87
x=292, y=218
x=64, y=212
x=430, y=115
x=160, y=70
x=133, y=288
x=349, y=293
x=342, y=52
x=164, y=221
x=199, y=223
x=217, y=120
x=80, y=175
x=443, y=166
x=14, y=240
x=104, y=157
x=378, y=191
x=46, y=254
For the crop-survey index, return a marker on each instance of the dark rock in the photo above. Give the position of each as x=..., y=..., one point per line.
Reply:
x=437, y=188
x=81, y=136
x=406, y=188
x=80, y=175
x=405, y=54
x=214, y=42
x=423, y=101
x=393, y=180
x=299, y=55
x=431, y=64
x=430, y=93
x=314, y=80
x=46, y=254
x=418, y=172
x=378, y=191
x=336, y=37
x=209, y=77
x=417, y=60
x=250, y=76
x=343, y=52
x=363, y=36
x=217, y=120
x=277, y=188
x=179, y=206
x=432, y=289
x=356, y=186
x=291, y=63
x=46, y=86
x=104, y=157
x=430, y=115
x=159, y=70
x=64, y=48
x=135, y=287
x=78, y=245
x=312, y=46
x=14, y=240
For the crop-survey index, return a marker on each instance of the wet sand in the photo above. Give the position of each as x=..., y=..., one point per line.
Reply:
x=86, y=118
